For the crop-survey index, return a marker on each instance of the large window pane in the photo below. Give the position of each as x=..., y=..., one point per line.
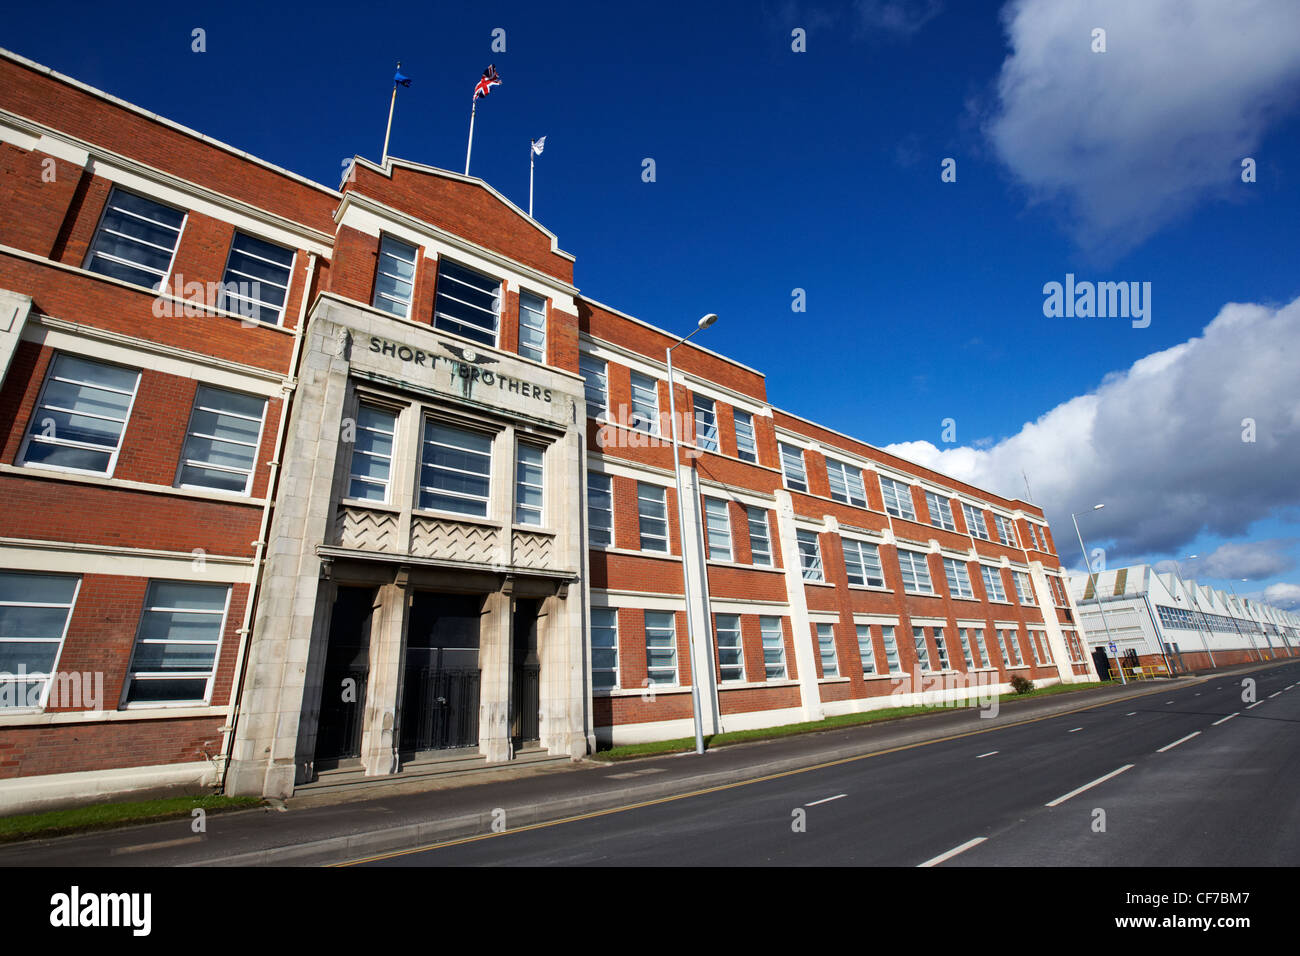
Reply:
x=600, y=510
x=773, y=647
x=34, y=614
x=718, y=522
x=177, y=642
x=136, y=239
x=79, y=420
x=661, y=647
x=455, y=470
x=731, y=655
x=221, y=447
x=652, y=510
x=468, y=303
x=528, y=484
x=372, y=453
x=604, y=648
x=395, y=277
x=532, y=326
x=256, y=283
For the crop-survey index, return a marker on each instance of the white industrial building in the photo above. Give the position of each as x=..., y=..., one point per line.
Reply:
x=1177, y=624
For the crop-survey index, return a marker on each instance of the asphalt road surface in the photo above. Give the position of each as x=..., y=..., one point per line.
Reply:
x=1195, y=776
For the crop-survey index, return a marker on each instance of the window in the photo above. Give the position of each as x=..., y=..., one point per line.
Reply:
x=773, y=647
x=941, y=645
x=731, y=656
x=372, y=453
x=532, y=326
x=34, y=614
x=964, y=636
x=898, y=498
x=1042, y=539
x=395, y=277
x=136, y=239
x=604, y=648
x=746, y=446
x=468, y=303
x=221, y=447
x=866, y=650
x=718, y=522
x=958, y=578
x=975, y=521
x=993, y=583
x=176, y=646
x=846, y=483
x=645, y=404
x=1011, y=649
x=1024, y=589
x=922, y=649
x=82, y=412
x=891, y=650
x=940, y=511
x=810, y=556
x=455, y=469
x=652, y=512
x=256, y=283
x=792, y=468
x=983, y=648
x=600, y=510
x=760, y=543
x=1006, y=530
x=595, y=382
x=862, y=562
x=916, y=572
x=661, y=647
x=826, y=648
x=706, y=424
x=528, y=484
x=1042, y=653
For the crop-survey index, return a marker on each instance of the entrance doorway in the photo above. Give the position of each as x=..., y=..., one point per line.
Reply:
x=440, y=701
x=525, y=691
x=347, y=667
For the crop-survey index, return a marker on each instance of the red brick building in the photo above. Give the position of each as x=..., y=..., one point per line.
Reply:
x=308, y=484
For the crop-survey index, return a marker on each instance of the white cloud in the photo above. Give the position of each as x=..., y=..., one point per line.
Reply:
x=900, y=17
x=1243, y=559
x=1283, y=595
x=1160, y=443
x=1128, y=140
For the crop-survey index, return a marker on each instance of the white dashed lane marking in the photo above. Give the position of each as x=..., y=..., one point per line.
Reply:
x=1180, y=740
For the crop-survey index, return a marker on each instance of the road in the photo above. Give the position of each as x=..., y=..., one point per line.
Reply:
x=1191, y=776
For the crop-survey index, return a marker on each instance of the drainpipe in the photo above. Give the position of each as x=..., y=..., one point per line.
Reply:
x=288, y=387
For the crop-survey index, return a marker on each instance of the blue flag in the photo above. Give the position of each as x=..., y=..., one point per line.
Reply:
x=400, y=80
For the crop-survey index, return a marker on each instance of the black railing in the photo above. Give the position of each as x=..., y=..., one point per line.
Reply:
x=440, y=709
x=524, y=718
x=342, y=707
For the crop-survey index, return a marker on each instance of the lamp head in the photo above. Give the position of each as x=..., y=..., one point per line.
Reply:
x=1097, y=507
x=708, y=320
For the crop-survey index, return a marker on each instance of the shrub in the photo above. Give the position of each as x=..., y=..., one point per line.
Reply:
x=1021, y=685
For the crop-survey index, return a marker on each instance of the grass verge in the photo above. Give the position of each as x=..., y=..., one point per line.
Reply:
x=687, y=744
x=103, y=816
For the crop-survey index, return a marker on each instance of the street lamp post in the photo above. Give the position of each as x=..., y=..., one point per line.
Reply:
x=1254, y=647
x=1233, y=617
x=1197, y=608
x=1096, y=592
x=704, y=323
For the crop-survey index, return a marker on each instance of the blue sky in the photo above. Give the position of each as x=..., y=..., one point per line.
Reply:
x=820, y=170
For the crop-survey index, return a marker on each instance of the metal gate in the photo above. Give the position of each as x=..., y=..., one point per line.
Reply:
x=440, y=710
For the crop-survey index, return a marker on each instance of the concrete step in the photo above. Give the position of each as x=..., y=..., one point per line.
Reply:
x=449, y=764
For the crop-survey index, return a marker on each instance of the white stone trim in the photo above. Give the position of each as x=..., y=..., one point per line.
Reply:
x=37, y=471
x=23, y=794
x=64, y=557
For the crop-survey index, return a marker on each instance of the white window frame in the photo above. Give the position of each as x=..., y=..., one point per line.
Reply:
x=706, y=423
x=866, y=649
x=982, y=646
x=671, y=616
x=226, y=281
x=1006, y=530
x=826, y=642
x=897, y=498
x=975, y=524
x=958, y=577
x=941, y=509
x=644, y=413
x=133, y=676
x=846, y=484
x=963, y=636
x=522, y=516
x=642, y=517
x=379, y=270
x=941, y=646
x=597, y=626
x=994, y=587
x=45, y=677
x=1024, y=588
x=773, y=640
x=888, y=637
x=539, y=327
x=195, y=408
x=921, y=649
x=746, y=437
x=750, y=512
x=912, y=568
x=719, y=629
x=33, y=427
x=421, y=488
x=793, y=470
x=810, y=563
x=387, y=483
x=91, y=251
x=599, y=377
x=459, y=324
x=863, y=555
x=717, y=524
x=597, y=478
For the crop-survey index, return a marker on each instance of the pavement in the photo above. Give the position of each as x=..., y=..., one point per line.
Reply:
x=929, y=792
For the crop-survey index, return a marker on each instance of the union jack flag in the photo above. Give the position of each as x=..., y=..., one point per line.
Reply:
x=490, y=79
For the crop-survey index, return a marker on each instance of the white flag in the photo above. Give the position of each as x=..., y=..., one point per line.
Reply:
x=538, y=145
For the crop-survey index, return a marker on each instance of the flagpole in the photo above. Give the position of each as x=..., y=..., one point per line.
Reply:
x=469, y=148
x=532, y=158
x=391, y=104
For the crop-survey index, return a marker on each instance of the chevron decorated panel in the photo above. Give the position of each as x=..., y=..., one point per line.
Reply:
x=533, y=550
x=367, y=530
x=454, y=541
